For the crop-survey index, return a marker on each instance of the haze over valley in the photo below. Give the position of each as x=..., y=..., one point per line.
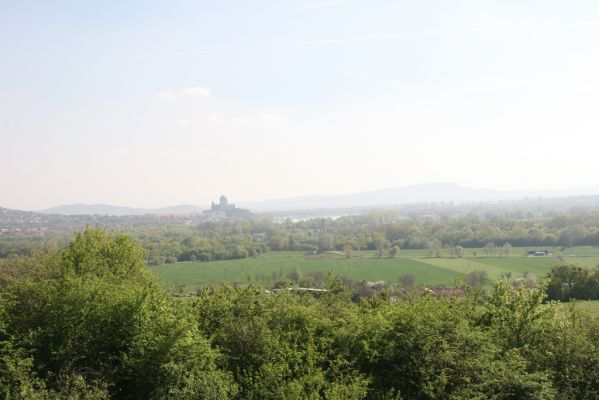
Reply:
x=299, y=199
x=425, y=193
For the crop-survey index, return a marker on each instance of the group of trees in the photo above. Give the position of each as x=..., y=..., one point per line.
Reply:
x=384, y=235
x=382, y=232
x=571, y=281
x=173, y=244
x=90, y=322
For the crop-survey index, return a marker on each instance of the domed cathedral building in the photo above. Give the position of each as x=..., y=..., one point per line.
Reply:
x=223, y=210
x=223, y=205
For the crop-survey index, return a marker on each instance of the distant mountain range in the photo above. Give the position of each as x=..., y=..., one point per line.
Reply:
x=425, y=193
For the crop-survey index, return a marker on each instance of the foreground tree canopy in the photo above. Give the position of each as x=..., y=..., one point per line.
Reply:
x=91, y=322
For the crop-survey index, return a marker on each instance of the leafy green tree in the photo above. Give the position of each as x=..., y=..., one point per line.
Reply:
x=506, y=249
x=518, y=316
x=458, y=251
x=569, y=281
x=380, y=244
x=92, y=323
x=348, y=250
x=477, y=278
x=407, y=280
x=434, y=248
x=431, y=348
x=326, y=242
x=295, y=275
x=280, y=346
x=96, y=253
x=490, y=249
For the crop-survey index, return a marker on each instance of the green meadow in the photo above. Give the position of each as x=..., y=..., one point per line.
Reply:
x=589, y=306
x=269, y=267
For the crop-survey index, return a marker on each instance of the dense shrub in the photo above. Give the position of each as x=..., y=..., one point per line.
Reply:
x=91, y=322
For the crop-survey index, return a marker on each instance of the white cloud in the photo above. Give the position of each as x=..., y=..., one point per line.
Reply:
x=192, y=91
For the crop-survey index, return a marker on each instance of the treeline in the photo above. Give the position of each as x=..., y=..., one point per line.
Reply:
x=25, y=245
x=381, y=231
x=91, y=322
x=571, y=281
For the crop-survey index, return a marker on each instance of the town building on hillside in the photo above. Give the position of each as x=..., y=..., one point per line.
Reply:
x=223, y=205
x=223, y=210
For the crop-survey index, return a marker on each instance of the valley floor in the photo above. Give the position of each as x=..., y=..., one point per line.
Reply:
x=366, y=266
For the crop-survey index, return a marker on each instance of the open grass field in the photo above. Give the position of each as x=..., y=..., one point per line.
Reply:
x=269, y=267
x=592, y=306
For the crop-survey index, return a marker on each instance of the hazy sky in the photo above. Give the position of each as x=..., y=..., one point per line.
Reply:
x=152, y=103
